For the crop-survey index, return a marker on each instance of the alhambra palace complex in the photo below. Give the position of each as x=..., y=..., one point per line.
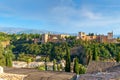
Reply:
x=81, y=35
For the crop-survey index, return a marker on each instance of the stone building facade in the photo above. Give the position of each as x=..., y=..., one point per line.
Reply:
x=99, y=38
x=53, y=37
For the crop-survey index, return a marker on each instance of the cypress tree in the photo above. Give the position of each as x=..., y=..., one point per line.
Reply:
x=76, y=66
x=58, y=67
x=54, y=65
x=118, y=57
x=2, y=58
x=8, y=57
x=46, y=63
x=95, y=54
x=68, y=60
x=88, y=55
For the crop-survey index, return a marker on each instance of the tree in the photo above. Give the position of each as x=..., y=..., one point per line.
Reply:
x=2, y=58
x=25, y=57
x=95, y=54
x=76, y=66
x=88, y=55
x=58, y=67
x=105, y=53
x=57, y=52
x=46, y=63
x=118, y=57
x=54, y=65
x=68, y=60
x=46, y=49
x=8, y=57
x=91, y=34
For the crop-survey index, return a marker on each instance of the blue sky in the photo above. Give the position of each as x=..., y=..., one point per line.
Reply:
x=71, y=16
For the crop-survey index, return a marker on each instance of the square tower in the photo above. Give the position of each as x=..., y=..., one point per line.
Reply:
x=110, y=35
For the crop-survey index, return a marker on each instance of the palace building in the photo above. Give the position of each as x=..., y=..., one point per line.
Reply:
x=53, y=37
x=99, y=38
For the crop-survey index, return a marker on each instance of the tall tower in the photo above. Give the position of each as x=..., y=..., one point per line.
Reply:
x=81, y=35
x=45, y=38
x=110, y=35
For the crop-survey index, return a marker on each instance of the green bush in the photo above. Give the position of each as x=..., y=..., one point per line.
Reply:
x=41, y=68
x=82, y=69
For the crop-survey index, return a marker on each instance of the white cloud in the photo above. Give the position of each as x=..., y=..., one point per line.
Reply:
x=91, y=15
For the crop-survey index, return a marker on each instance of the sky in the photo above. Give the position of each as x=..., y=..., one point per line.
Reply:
x=69, y=16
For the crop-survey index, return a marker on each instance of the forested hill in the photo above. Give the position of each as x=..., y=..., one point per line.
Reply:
x=23, y=47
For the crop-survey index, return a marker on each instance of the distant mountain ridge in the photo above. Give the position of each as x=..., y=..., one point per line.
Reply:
x=12, y=30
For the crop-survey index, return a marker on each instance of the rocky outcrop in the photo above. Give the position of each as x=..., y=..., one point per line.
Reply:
x=114, y=68
x=98, y=66
x=102, y=71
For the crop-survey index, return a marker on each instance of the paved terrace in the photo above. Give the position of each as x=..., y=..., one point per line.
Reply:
x=33, y=74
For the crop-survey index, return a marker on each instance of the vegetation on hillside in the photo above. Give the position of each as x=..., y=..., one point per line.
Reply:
x=23, y=47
